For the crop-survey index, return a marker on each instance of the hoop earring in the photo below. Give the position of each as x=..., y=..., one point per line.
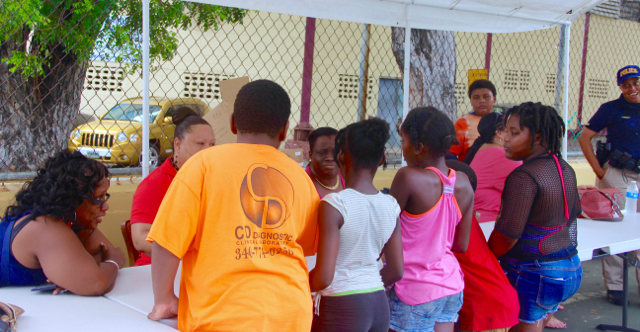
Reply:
x=70, y=222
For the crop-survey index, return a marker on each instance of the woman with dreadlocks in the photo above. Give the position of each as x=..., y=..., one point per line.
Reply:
x=535, y=234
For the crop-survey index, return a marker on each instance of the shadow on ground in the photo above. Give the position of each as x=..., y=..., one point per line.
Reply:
x=589, y=307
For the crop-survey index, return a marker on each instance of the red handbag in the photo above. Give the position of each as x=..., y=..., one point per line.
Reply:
x=600, y=204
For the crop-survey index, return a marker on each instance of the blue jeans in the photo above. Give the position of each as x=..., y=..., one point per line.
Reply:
x=543, y=285
x=423, y=317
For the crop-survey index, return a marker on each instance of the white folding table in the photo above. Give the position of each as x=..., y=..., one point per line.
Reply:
x=69, y=312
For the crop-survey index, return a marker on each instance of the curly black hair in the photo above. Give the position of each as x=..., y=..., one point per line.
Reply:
x=487, y=128
x=482, y=84
x=364, y=141
x=322, y=131
x=543, y=120
x=431, y=127
x=60, y=187
x=261, y=107
x=184, y=118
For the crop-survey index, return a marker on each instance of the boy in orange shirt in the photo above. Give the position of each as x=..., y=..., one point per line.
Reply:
x=241, y=217
x=483, y=95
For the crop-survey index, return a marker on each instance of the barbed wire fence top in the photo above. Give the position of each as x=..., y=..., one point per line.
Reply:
x=70, y=72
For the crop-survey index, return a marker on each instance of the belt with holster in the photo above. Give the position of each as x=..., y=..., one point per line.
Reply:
x=616, y=158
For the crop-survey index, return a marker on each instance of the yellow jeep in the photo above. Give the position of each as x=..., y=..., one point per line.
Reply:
x=116, y=138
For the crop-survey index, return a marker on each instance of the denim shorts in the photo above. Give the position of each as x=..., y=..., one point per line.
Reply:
x=543, y=285
x=423, y=317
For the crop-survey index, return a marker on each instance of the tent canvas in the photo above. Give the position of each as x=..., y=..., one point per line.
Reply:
x=457, y=15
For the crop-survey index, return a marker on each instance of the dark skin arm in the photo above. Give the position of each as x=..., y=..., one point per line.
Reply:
x=500, y=244
x=163, y=273
x=587, y=149
x=330, y=221
x=464, y=196
x=394, y=263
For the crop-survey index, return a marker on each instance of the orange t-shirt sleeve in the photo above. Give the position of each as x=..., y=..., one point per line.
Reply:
x=461, y=126
x=178, y=218
x=309, y=236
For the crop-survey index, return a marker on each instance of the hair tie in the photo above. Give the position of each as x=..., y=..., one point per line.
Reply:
x=444, y=141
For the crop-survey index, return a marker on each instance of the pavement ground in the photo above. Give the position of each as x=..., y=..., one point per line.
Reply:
x=589, y=306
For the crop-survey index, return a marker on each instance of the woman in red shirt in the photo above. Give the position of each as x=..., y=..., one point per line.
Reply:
x=192, y=134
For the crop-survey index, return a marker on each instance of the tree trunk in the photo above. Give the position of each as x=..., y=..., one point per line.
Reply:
x=433, y=68
x=630, y=10
x=37, y=113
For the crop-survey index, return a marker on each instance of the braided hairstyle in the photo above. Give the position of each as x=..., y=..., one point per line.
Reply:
x=487, y=128
x=432, y=128
x=60, y=187
x=543, y=120
x=365, y=141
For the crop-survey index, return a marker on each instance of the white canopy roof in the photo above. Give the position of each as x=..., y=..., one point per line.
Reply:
x=455, y=15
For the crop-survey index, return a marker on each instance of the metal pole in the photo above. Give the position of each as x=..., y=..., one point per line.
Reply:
x=565, y=99
x=364, y=72
x=145, y=88
x=407, y=69
x=307, y=69
x=487, y=54
x=559, y=76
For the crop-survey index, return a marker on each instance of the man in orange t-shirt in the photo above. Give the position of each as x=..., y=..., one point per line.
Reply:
x=241, y=217
x=482, y=94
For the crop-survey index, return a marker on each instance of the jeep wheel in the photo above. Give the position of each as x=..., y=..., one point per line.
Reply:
x=154, y=156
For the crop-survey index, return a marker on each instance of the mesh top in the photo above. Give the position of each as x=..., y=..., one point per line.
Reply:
x=533, y=211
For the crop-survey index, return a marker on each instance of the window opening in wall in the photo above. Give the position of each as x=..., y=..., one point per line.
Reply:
x=104, y=78
x=516, y=79
x=598, y=88
x=550, y=83
x=202, y=85
x=525, y=79
x=461, y=93
x=510, y=81
x=348, y=86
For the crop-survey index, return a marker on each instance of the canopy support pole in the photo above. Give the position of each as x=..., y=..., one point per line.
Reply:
x=565, y=98
x=363, y=88
x=145, y=88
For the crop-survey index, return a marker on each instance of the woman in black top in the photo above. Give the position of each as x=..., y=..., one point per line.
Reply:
x=536, y=236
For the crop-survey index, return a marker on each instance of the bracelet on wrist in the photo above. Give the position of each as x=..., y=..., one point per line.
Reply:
x=112, y=261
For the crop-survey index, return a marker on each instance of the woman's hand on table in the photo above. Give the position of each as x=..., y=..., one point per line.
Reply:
x=163, y=310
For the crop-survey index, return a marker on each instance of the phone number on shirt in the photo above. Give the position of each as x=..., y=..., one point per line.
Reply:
x=259, y=252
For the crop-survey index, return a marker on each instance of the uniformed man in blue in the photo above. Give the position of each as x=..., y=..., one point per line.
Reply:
x=618, y=160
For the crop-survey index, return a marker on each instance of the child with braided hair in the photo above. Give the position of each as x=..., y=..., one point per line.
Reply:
x=356, y=226
x=535, y=236
x=437, y=209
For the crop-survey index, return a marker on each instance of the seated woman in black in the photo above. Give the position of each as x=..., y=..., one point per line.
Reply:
x=536, y=234
x=51, y=232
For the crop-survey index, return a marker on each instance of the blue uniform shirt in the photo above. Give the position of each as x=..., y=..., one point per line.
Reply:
x=622, y=120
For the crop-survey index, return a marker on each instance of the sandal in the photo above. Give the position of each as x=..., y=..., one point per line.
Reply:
x=555, y=323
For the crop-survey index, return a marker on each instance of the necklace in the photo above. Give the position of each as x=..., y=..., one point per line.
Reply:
x=328, y=187
x=174, y=163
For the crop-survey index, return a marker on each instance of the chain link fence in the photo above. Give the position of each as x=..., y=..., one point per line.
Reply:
x=335, y=72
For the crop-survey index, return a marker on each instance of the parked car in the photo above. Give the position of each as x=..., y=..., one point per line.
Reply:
x=116, y=137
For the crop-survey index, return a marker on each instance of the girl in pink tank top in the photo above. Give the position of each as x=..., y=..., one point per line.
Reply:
x=437, y=207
